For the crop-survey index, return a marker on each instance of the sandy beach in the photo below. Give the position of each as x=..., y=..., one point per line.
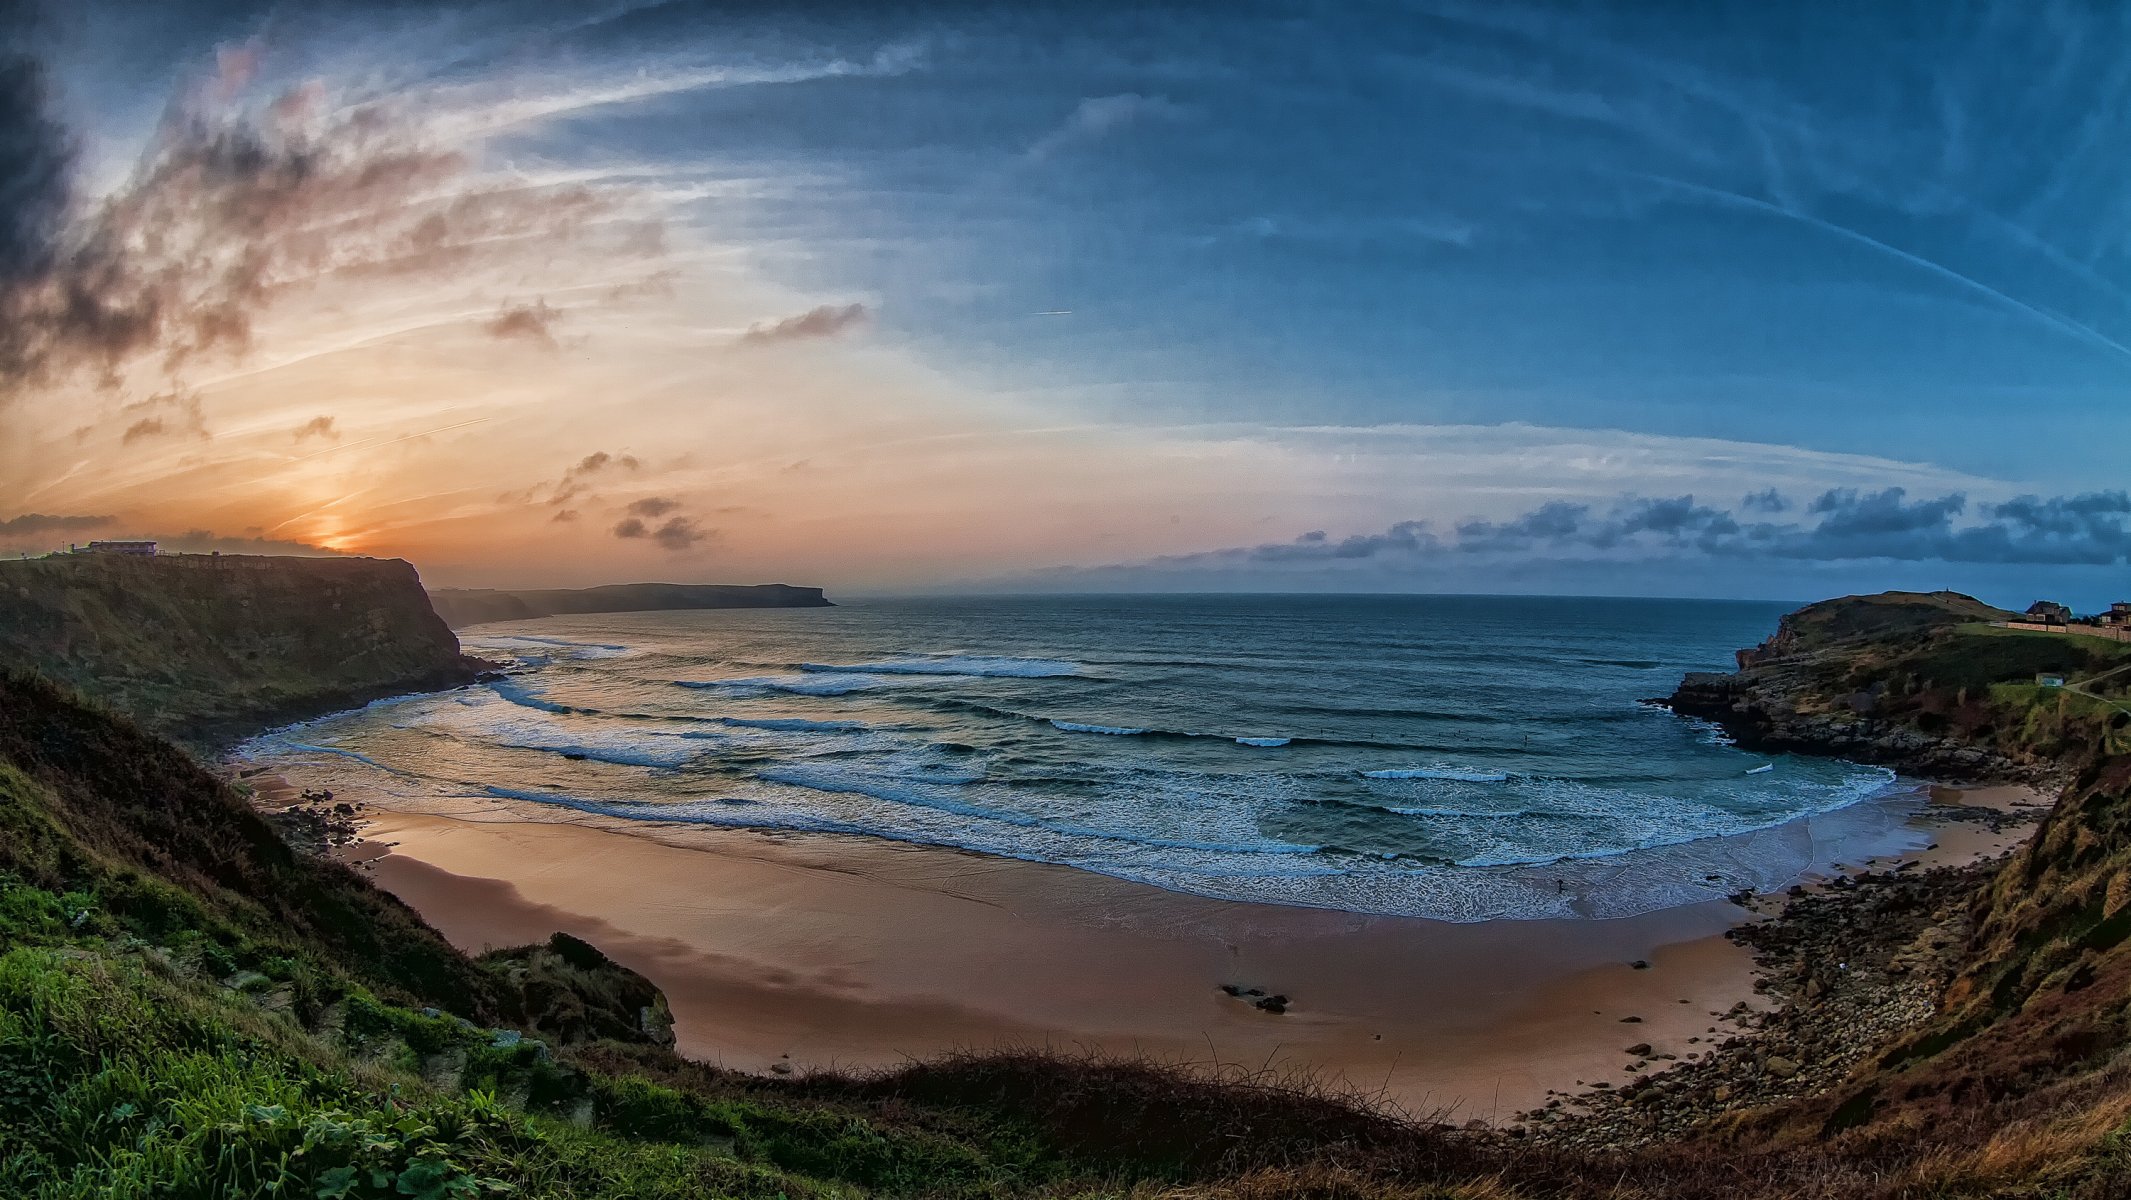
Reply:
x=798, y=952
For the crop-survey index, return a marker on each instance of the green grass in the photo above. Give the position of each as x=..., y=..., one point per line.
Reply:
x=123, y=1074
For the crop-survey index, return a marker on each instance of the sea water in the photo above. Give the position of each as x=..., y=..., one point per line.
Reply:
x=1463, y=758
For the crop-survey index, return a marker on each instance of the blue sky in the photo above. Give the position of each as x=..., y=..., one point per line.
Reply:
x=1633, y=251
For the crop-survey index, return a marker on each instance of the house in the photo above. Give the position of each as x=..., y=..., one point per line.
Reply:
x=2118, y=616
x=2049, y=612
x=138, y=549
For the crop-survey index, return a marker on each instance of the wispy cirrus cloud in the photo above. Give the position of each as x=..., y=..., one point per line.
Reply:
x=1097, y=117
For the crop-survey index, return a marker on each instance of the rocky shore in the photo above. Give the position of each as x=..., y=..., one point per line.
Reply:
x=1850, y=965
x=1760, y=708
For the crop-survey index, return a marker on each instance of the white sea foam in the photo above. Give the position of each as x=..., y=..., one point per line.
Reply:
x=1263, y=741
x=519, y=693
x=1082, y=727
x=956, y=664
x=798, y=685
x=794, y=725
x=1458, y=774
x=1763, y=769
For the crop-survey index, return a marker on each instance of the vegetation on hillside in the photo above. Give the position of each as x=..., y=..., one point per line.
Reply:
x=1924, y=681
x=202, y=648
x=190, y=1009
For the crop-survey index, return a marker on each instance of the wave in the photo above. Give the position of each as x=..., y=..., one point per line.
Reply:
x=794, y=725
x=755, y=685
x=366, y=760
x=978, y=666
x=1263, y=741
x=526, y=697
x=875, y=789
x=1870, y=782
x=571, y=649
x=1458, y=774
x=1636, y=664
x=1113, y=730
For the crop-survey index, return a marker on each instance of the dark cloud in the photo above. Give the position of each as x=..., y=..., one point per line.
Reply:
x=824, y=322
x=1841, y=525
x=678, y=533
x=228, y=209
x=564, y=516
x=653, y=506
x=597, y=461
x=317, y=427
x=1406, y=537
x=36, y=163
x=526, y=322
x=575, y=479
x=30, y=524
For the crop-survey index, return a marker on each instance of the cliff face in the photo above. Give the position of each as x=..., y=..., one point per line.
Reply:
x=204, y=648
x=461, y=607
x=1920, y=682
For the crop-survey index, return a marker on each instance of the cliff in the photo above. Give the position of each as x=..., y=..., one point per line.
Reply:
x=206, y=647
x=189, y=1008
x=1920, y=682
x=461, y=607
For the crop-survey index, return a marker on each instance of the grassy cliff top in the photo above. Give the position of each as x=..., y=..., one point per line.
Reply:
x=207, y=647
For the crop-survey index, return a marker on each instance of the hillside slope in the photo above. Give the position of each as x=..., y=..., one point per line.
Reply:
x=190, y=1009
x=461, y=607
x=1923, y=683
x=207, y=647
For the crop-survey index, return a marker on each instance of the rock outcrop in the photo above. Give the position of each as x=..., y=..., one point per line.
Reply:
x=207, y=647
x=1917, y=681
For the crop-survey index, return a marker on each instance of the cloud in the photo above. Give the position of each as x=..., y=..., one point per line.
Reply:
x=36, y=163
x=575, y=479
x=229, y=209
x=825, y=321
x=565, y=516
x=1839, y=525
x=653, y=506
x=1097, y=117
x=30, y=524
x=529, y=322
x=679, y=533
x=321, y=427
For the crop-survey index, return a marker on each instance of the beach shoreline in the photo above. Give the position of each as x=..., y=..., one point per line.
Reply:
x=784, y=953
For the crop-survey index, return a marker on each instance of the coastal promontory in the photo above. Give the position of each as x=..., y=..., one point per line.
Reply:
x=204, y=647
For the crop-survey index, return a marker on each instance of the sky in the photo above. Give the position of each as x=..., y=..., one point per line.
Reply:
x=1642, y=298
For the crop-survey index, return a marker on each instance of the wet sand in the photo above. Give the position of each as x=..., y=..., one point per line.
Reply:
x=850, y=953
x=819, y=951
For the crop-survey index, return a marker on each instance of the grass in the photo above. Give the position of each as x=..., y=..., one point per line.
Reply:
x=188, y=1009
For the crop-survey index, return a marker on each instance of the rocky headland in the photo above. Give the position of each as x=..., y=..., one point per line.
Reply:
x=206, y=648
x=1921, y=682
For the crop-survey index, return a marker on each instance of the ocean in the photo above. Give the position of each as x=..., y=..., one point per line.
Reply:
x=1462, y=758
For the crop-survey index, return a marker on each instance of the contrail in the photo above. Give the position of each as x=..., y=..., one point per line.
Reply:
x=2056, y=320
x=1053, y=312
